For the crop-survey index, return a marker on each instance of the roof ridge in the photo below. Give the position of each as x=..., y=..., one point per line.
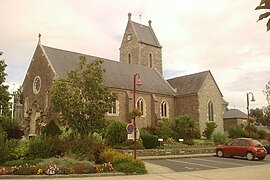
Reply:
x=189, y=75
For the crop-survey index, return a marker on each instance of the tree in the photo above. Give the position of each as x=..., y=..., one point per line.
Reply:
x=266, y=92
x=266, y=114
x=4, y=94
x=257, y=114
x=82, y=98
x=116, y=133
x=209, y=129
x=264, y=4
x=164, y=130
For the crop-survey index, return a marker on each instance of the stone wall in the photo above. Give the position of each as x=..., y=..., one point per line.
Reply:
x=152, y=105
x=187, y=105
x=210, y=92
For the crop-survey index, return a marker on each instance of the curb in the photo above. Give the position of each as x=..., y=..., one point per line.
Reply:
x=60, y=176
x=175, y=156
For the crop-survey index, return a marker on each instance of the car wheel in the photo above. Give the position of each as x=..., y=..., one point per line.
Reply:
x=220, y=153
x=261, y=158
x=250, y=156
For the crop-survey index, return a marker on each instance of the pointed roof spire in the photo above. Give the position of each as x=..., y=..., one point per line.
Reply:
x=129, y=16
x=149, y=22
x=39, y=38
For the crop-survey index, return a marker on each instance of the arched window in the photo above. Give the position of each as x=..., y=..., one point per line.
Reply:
x=141, y=106
x=150, y=61
x=164, y=108
x=129, y=58
x=114, y=111
x=210, y=111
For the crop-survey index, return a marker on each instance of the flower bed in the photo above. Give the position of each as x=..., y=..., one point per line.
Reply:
x=57, y=166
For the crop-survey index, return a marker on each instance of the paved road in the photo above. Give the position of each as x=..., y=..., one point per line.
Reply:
x=206, y=163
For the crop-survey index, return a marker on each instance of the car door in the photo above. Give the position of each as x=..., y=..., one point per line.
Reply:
x=243, y=146
x=230, y=147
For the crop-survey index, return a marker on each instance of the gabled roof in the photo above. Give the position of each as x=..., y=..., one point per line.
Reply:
x=188, y=84
x=145, y=34
x=234, y=113
x=117, y=75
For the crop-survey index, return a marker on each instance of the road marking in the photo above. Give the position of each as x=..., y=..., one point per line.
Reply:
x=193, y=164
x=219, y=162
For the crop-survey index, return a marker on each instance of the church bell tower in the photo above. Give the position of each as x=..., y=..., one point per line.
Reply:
x=140, y=46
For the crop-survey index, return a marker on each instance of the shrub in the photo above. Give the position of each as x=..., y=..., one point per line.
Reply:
x=14, y=132
x=40, y=147
x=17, y=149
x=22, y=161
x=189, y=142
x=220, y=138
x=131, y=167
x=108, y=154
x=85, y=149
x=3, y=146
x=149, y=141
x=209, y=129
x=129, y=144
x=262, y=134
x=236, y=131
x=163, y=130
x=116, y=133
x=185, y=128
x=123, y=162
x=51, y=129
x=121, y=157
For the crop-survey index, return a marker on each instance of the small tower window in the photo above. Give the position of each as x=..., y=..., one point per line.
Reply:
x=129, y=59
x=150, y=61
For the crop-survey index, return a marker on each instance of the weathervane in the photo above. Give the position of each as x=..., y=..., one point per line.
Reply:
x=39, y=37
x=140, y=17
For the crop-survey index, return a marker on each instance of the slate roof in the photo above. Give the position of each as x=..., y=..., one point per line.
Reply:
x=118, y=75
x=234, y=113
x=188, y=84
x=145, y=34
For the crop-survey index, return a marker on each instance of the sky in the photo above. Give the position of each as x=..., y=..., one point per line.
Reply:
x=222, y=36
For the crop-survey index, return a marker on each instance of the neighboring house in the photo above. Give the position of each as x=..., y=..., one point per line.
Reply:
x=234, y=117
x=196, y=95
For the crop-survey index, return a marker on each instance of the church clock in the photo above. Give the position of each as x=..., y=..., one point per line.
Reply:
x=129, y=37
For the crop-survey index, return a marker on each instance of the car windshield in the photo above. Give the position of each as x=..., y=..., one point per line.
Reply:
x=256, y=142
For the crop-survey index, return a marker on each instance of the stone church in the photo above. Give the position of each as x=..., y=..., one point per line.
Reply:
x=196, y=95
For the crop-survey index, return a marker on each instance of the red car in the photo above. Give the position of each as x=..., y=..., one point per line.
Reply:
x=244, y=147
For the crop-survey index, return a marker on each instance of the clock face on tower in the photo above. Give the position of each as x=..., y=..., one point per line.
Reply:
x=129, y=37
x=36, y=85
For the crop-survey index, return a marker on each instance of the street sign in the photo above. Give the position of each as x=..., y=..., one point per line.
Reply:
x=131, y=136
x=130, y=128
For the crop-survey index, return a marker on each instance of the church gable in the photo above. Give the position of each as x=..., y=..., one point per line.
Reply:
x=189, y=84
x=145, y=34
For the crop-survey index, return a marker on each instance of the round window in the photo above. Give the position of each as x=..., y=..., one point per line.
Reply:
x=37, y=85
